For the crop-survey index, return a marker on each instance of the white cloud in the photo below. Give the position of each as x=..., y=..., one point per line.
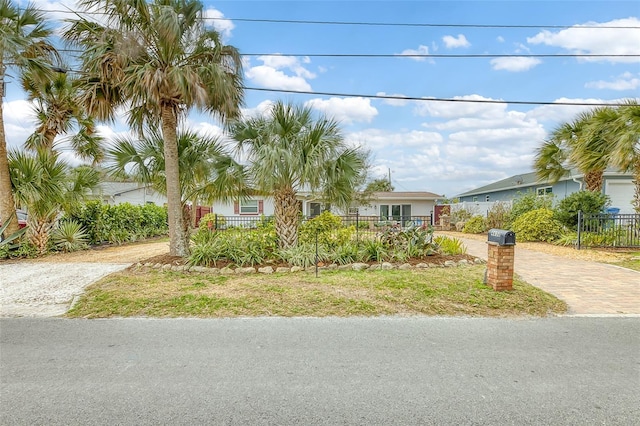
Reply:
x=263, y=109
x=379, y=139
x=220, y=24
x=453, y=42
x=626, y=81
x=442, y=109
x=581, y=40
x=422, y=50
x=563, y=113
x=393, y=102
x=514, y=63
x=346, y=110
x=19, y=122
x=500, y=39
x=273, y=73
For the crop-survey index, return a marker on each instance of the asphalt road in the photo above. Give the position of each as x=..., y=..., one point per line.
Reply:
x=278, y=371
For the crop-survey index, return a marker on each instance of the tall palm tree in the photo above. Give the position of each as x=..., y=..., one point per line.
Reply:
x=159, y=60
x=207, y=170
x=58, y=108
x=23, y=44
x=47, y=185
x=290, y=150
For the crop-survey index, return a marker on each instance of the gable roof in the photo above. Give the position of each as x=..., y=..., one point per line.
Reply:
x=111, y=189
x=399, y=195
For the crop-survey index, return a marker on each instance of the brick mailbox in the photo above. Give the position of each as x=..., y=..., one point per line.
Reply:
x=500, y=259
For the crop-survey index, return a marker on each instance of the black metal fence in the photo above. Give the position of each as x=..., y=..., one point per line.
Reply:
x=362, y=223
x=608, y=230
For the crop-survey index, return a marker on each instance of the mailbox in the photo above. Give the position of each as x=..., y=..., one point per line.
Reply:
x=502, y=237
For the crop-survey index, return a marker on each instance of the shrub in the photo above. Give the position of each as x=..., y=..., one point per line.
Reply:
x=526, y=203
x=69, y=236
x=449, y=245
x=475, y=225
x=537, y=225
x=498, y=215
x=461, y=215
x=329, y=229
x=588, y=201
x=346, y=253
x=212, y=221
x=243, y=247
x=304, y=255
x=374, y=250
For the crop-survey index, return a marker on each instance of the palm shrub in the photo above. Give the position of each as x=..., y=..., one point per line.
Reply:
x=537, y=225
x=69, y=236
x=475, y=225
x=374, y=250
x=586, y=201
x=345, y=253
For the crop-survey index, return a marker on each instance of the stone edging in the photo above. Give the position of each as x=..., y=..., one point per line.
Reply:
x=293, y=269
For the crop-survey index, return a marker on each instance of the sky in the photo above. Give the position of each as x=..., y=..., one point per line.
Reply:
x=419, y=137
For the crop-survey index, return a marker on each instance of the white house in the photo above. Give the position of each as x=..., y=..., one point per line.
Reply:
x=128, y=192
x=382, y=205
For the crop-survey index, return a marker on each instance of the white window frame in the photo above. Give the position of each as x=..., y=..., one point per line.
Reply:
x=544, y=190
x=249, y=207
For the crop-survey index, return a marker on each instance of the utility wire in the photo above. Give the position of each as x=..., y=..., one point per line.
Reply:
x=364, y=23
x=430, y=55
x=411, y=98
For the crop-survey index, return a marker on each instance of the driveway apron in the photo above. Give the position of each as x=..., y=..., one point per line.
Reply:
x=588, y=288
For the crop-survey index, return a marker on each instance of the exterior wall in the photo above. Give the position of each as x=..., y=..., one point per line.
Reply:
x=418, y=207
x=137, y=197
x=227, y=209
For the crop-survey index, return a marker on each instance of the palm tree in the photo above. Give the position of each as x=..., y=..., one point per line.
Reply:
x=619, y=131
x=572, y=145
x=23, y=44
x=207, y=171
x=57, y=105
x=289, y=150
x=159, y=60
x=47, y=186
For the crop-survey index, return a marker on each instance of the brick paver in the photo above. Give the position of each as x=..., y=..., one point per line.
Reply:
x=586, y=287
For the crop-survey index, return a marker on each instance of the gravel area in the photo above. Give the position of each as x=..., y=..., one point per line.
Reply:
x=47, y=286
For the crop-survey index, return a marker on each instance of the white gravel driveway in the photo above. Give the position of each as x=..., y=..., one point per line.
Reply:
x=37, y=289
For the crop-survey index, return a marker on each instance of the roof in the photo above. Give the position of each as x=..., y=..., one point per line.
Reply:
x=523, y=180
x=111, y=189
x=527, y=180
x=399, y=195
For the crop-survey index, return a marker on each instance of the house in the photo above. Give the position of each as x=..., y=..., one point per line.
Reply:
x=618, y=186
x=128, y=192
x=381, y=205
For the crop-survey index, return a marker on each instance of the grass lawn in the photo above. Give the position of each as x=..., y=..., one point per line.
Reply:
x=433, y=291
x=633, y=261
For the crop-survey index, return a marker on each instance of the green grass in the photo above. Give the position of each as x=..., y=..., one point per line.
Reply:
x=435, y=291
x=633, y=262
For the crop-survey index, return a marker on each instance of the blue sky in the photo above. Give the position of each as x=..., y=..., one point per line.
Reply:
x=442, y=147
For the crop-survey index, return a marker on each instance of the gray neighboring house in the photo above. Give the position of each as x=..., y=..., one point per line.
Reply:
x=618, y=186
x=128, y=192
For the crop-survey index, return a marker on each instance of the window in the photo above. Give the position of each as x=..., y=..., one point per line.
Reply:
x=352, y=211
x=249, y=207
x=395, y=211
x=544, y=191
x=475, y=199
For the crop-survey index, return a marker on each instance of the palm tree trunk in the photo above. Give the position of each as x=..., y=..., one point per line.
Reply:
x=593, y=180
x=178, y=240
x=7, y=203
x=636, y=183
x=39, y=235
x=286, y=212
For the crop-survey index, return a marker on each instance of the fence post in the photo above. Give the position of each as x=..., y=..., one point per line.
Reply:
x=215, y=224
x=316, y=253
x=579, y=227
x=357, y=228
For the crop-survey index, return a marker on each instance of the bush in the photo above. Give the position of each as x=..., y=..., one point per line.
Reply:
x=461, y=215
x=449, y=245
x=120, y=223
x=588, y=201
x=304, y=255
x=212, y=221
x=475, y=225
x=498, y=215
x=329, y=229
x=537, y=225
x=526, y=203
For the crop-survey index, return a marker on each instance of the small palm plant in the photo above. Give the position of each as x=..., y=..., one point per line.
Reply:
x=69, y=236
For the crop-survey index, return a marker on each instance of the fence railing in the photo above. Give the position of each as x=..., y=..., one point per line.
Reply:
x=608, y=230
x=362, y=223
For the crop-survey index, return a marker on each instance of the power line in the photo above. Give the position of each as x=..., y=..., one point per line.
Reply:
x=378, y=24
x=411, y=98
x=430, y=55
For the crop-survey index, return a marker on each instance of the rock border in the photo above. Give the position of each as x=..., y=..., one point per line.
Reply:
x=293, y=269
